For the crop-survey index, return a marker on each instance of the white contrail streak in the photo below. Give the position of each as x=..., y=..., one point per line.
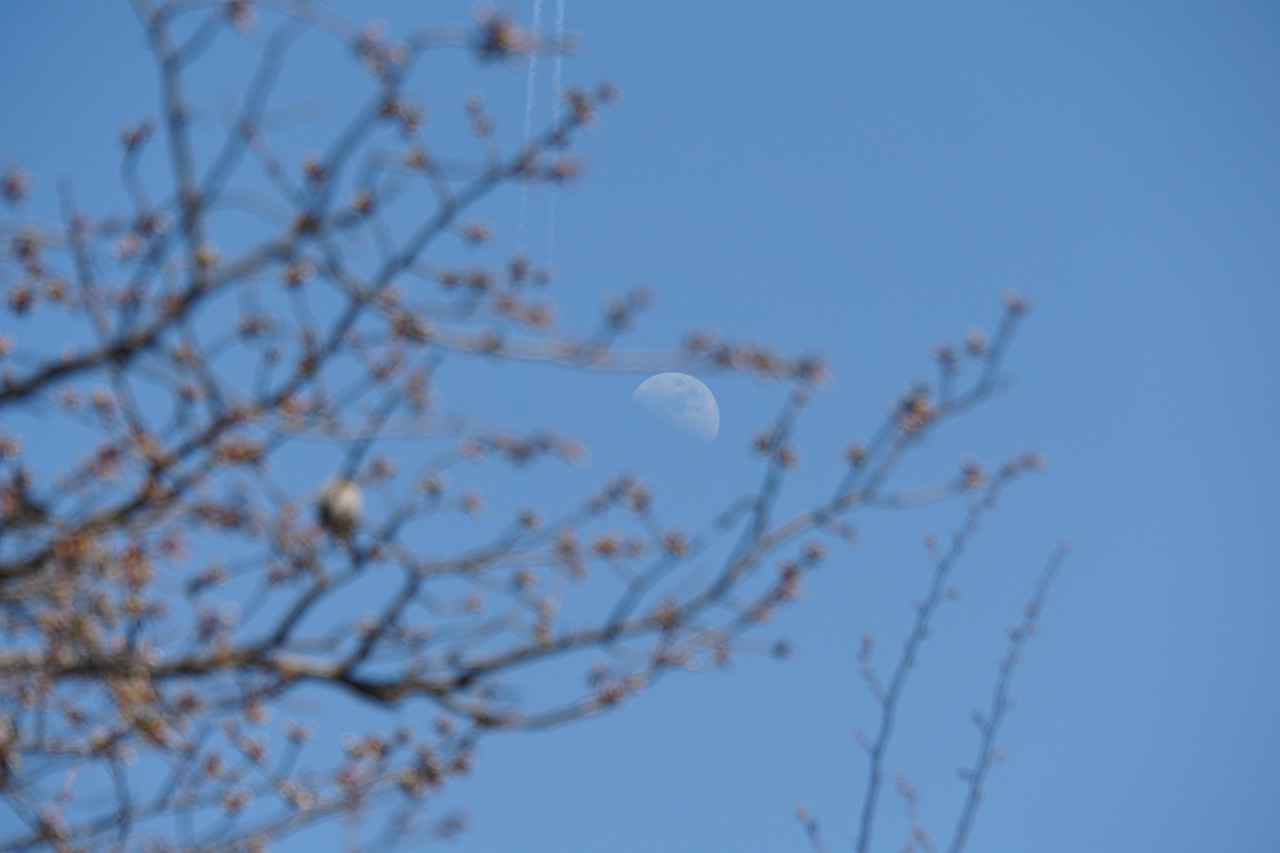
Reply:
x=557, y=67
x=529, y=89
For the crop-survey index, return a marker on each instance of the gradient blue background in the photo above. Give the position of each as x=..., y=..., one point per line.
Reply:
x=866, y=179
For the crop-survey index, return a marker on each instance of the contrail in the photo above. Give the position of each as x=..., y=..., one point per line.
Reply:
x=529, y=88
x=557, y=67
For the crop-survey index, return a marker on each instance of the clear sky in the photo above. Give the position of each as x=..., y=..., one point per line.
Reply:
x=866, y=179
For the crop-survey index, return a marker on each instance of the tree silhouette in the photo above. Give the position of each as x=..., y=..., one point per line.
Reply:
x=170, y=582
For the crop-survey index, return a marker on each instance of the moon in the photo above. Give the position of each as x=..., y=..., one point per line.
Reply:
x=681, y=401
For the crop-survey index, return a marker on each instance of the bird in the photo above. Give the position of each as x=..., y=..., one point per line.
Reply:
x=341, y=505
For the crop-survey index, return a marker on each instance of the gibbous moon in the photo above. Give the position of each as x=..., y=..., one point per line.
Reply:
x=681, y=401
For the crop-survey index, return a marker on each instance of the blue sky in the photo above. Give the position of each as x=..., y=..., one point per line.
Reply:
x=866, y=180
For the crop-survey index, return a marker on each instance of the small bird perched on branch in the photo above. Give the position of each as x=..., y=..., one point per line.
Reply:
x=340, y=507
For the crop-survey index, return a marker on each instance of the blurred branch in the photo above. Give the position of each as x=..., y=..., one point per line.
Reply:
x=186, y=371
x=890, y=696
x=1001, y=703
